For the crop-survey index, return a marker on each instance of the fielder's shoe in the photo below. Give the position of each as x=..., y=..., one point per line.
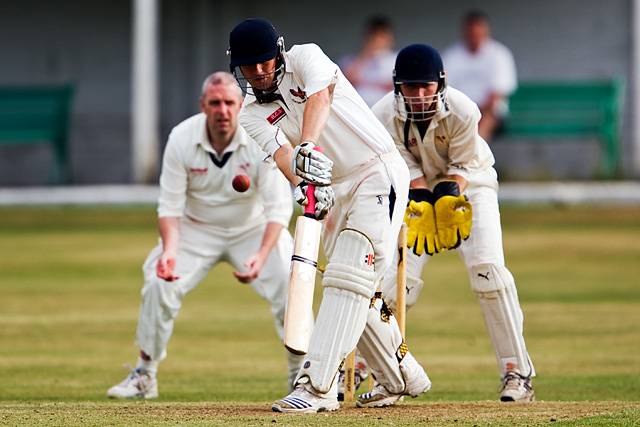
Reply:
x=416, y=383
x=138, y=385
x=516, y=388
x=305, y=400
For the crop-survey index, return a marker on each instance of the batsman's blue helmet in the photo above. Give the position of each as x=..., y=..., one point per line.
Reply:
x=418, y=63
x=253, y=41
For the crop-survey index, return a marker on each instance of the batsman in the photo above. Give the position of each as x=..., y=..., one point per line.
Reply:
x=435, y=127
x=298, y=99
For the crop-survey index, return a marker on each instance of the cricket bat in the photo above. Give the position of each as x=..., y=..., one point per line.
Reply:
x=298, y=318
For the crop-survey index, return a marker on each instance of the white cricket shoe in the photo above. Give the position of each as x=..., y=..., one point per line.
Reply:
x=416, y=382
x=305, y=400
x=516, y=388
x=138, y=385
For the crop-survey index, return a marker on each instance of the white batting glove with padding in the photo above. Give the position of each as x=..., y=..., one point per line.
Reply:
x=325, y=198
x=311, y=165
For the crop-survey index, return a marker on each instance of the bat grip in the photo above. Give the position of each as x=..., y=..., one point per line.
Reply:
x=310, y=208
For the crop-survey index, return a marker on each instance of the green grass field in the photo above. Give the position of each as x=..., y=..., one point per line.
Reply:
x=69, y=295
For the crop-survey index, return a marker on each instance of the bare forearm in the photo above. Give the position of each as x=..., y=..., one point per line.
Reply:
x=282, y=157
x=169, y=228
x=270, y=238
x=316, y=113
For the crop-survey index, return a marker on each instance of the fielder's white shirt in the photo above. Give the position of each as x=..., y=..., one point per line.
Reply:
x=489, y=70
x=192, y=184
x=352, y=135
x=451, y=144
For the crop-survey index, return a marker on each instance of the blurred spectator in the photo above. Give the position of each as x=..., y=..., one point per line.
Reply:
x=370, y=69
x=482, y=68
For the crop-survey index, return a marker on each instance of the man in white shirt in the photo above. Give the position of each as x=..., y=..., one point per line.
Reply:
x=435, y=127
x=369, y=70
x=483, y=69
x=301, y=97
x=203, y=220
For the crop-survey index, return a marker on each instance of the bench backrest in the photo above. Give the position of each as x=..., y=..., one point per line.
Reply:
x=32, y=113
x=540, y=109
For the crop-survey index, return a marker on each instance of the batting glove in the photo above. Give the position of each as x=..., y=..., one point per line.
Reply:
x=421, y=223
x=325, y=198
x=311, y=165
x=453, y=214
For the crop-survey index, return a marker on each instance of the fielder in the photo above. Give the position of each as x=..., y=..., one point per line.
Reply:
x=300, y=96
x=435, y=127
x=203, y=221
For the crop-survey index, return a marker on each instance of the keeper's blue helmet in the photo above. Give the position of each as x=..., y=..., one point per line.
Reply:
x=254, y=41
x=416, y=64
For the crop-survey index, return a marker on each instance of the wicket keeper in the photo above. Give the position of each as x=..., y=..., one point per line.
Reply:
x=454, y=203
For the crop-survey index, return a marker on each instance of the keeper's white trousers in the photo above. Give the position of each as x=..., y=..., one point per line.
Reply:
x=484, y=247
x=201, y=247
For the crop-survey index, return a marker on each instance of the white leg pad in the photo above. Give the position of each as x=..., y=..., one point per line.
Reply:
x=348, y=286
x=496, y=291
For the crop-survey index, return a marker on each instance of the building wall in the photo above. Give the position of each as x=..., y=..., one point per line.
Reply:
x=88, y=43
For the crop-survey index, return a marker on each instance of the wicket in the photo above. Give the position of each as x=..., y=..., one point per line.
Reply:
x=400, y=314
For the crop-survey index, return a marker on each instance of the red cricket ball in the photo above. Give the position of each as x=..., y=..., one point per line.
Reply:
x=241, y=183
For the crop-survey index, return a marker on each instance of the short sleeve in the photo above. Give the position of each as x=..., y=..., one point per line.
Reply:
x=173, y=181
x=314, y=68
x=269, y=137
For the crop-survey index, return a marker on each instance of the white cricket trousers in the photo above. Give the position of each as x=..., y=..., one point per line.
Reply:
x=484, y=246
x=200, y=248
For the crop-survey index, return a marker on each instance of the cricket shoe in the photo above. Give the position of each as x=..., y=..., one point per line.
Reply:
x=416, y=382
x=516, y=388
x=138, y=385
x=305, y=400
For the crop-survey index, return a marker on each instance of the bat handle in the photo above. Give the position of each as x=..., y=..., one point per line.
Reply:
x=310, y=208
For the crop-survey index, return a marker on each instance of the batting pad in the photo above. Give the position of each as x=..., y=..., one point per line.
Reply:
x=496, y=291
x=348, y=285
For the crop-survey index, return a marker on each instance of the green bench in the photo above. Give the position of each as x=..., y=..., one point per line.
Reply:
x=560, y=111
x=36, y=115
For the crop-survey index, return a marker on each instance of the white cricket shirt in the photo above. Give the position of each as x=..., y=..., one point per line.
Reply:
x=352, y=135
x=451, y=144
x=489, y=70
x=195, y=185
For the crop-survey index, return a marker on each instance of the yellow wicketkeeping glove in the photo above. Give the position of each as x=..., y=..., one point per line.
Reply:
x=453, y=215
x=420, y=219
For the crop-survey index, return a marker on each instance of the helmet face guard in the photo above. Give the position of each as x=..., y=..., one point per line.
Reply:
x=255, y=41
x=418, y=64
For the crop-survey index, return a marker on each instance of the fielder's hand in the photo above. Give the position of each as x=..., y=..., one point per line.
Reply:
x=165, y=265
x=421, y=223
x=311, y=165
x=453, y=214
x=254, y=265
x=325, y=198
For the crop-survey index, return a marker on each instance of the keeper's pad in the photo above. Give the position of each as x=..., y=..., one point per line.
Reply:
x=348, y=286
x=496, y=291
x=382, y=346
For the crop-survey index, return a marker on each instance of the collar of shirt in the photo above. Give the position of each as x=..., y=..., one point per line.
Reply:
x=237, y=140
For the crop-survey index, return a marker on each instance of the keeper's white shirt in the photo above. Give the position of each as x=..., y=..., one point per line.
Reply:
x=451, y=144
x=352, y=135
x=192, y=184
x=478, y=74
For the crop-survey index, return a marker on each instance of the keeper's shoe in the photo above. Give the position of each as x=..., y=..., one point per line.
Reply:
x=305, y=400
x=416, y=382
x=138, y=385
x=516, y=388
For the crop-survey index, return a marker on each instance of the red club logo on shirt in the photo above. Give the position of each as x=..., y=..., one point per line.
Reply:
x=298, y=94
x=413, y=142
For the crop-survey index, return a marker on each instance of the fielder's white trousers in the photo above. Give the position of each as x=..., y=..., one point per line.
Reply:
x=201, y=247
